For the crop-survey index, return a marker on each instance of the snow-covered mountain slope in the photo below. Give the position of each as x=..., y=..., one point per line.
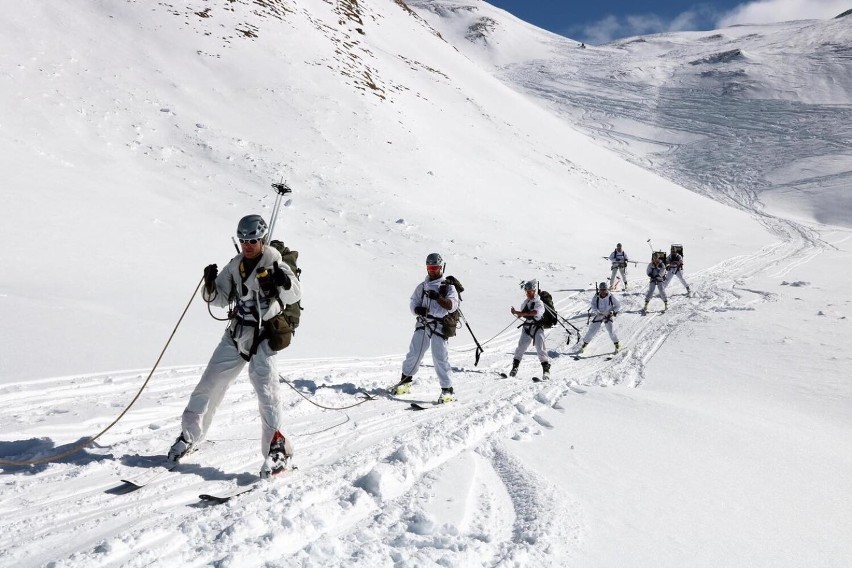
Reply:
x=756, y=115
x=139, y=148
x=135, y=135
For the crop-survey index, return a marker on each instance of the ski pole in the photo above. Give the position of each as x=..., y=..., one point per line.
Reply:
x=281, y=189
x=479, y=348
x=650, y=245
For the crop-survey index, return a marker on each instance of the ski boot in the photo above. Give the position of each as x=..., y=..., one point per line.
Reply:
x=545, y=371
x=180, y=448
x=617, y=347
x=645, y=308
x=688, y=292
x=403, y=386
x=665, y=306
x=446, y=395
x=514, y=371
x=583, y=347
x=280, y=453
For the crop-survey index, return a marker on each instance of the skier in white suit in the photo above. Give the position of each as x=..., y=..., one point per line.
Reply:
x=257, y=285
x=603, y=307
x=674, y=267
x=619, y=261
x=432, y=299
x=532, y=310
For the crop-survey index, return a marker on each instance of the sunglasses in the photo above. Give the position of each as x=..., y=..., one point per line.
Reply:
x=249, y=241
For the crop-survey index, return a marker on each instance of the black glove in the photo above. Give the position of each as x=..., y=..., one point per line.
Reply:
x=211, y=271
x=432, y=294
x=279, y=277
x=443, y=290
x=420, y=310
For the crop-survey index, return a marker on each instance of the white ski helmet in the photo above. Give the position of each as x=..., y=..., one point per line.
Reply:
x=252, y=227
x=603, y=286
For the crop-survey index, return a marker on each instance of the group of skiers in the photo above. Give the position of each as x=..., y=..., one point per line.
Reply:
x=257, y=286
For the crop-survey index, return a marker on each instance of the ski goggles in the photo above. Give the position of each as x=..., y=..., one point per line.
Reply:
x=433, y=268
x=249, y=241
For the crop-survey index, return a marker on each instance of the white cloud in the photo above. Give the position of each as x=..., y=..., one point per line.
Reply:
x=769, y=11
x=705, y=16
x=613, y=27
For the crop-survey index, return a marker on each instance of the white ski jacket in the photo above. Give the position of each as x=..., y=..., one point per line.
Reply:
x=603, y=307
x=251, y=303
x=618, y=259
x=436, y=311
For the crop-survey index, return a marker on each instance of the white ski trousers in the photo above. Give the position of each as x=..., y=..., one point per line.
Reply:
x=615, y=270
x=595, y=326
x=671, y=274
x=536, y=339
x=420, y=342
x=660, y=286
x=224, y=367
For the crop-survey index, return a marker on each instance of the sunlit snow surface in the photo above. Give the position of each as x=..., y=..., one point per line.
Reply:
x=132, y=138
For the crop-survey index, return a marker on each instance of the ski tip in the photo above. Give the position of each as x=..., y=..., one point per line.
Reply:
x=214, y=498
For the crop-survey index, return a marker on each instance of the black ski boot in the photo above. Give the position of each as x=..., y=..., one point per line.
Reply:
x=545, y=370
x=515, y=364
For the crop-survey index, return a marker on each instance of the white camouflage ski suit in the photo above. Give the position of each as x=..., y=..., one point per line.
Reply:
x=657, y=278
x=429, y=331
x=674, y=264
x=235, y=348
x=603, y=311
x=619, y=263
x=531, y=332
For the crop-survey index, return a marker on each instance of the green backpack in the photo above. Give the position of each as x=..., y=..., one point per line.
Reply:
x=451, y=320
x=291, y=312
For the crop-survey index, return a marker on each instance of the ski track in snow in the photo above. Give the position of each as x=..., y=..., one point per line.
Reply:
x=358, y=490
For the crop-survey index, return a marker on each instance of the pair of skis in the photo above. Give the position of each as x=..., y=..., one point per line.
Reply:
x=534, y=379
x=163, y=471
x=419, y=404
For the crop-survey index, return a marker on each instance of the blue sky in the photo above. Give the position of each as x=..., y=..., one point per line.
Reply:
x=601, y=21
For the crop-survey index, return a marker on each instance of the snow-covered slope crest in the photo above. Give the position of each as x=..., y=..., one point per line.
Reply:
x=750, y=114
x=134, y=148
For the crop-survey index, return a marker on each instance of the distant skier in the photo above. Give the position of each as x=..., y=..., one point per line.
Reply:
x=674, y=265
x=656, y=272
x=604, y=308
x=619, y=261
x=432, y=299
x=257, y=284
x=532, y=310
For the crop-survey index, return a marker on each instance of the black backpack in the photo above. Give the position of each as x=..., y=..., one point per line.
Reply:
x=450, y=322
x=548, y=320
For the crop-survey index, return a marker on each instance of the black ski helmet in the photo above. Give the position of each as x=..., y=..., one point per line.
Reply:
x=603, y=286
x=252, y=227
x=531, y=284
x=434, y=259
